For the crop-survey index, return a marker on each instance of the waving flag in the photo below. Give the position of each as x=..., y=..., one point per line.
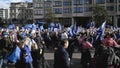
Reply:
x=41, y=27
x=12, y=26
x=15, y=55
x=91, y=24
x=116, y=28
x=51, y=27
x=34, y=26
x=73, y=30
x=59, y=26
x=28, y=26
x=101, y=31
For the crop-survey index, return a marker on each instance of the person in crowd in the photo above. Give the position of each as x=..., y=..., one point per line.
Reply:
x=61, y=57
x=71, y=46
x=25, y=60
x=107, y=55
x=109, y=41
x=55, y=40
x=47, y=39
x=5, y=47
x=85, y=53
x=37, y=54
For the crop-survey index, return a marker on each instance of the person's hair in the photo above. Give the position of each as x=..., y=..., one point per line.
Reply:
x=63, y=42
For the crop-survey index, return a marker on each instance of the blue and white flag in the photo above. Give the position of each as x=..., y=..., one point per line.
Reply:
x=59, y=26
x=90, y=24
x=51, y=27
x=15, y=55
x=34, y=26
x=73, y=30
x=41, y=27
x=28, y=26
x=52, y=24
x=12, y=26
x=101, y=31
x=116, y=28
x=79, y=29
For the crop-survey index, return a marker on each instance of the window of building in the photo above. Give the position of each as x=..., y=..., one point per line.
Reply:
x=78, y=2
x=35, y=5
x=67, y=10
x=67, y=3
x=48, y=0
x=57, y=3
x=100, y=1
x=12, y=10
x=47, y=5
x=119, y=8
x=87, y=1
x=38, y=0
x=87, y=9
x=38, y=5
x=46, y=11
x=57, y=10
x=41, y=5
x=38, y=12
x=110, y=8
x=13, y=16
x=78, y=9
x=110, y=1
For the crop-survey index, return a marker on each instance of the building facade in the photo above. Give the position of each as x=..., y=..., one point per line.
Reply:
x=4, y=13
x=80, y=11
x=21, y=11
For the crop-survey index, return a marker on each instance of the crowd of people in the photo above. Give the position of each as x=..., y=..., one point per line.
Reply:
x=25, y=48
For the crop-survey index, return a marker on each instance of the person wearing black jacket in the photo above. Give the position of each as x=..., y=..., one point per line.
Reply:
x=61, y=57
x=37, y=54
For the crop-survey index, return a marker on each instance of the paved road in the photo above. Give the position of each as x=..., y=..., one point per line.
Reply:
x=75, y=61
x=50, y=60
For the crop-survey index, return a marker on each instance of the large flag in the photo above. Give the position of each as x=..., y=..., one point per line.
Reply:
x=15, y=55
x=100, y=31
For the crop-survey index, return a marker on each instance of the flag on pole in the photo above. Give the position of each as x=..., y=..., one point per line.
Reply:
x=73, y=30
x=101, y=31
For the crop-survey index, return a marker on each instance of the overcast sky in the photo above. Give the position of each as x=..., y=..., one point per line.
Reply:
x=6, y=3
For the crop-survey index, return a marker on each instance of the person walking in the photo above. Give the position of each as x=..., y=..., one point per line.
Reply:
x=61, y=57
x=85, y=53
